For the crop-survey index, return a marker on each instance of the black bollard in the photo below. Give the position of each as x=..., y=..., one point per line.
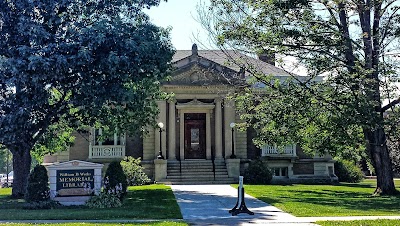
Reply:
x=240, y=206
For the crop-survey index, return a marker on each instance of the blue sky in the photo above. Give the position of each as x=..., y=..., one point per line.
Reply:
x=180, y=15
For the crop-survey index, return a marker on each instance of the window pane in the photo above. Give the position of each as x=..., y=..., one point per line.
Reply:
x=284, y=171
x=195, y=138
x=276, y=171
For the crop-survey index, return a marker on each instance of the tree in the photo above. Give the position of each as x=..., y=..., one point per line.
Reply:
x=82, y=63
x=348, y=42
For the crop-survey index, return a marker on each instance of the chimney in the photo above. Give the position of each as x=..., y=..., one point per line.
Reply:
x=267, y=57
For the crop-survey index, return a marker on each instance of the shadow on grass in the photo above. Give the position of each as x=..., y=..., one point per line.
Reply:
x=139, y=203
x=344, y=197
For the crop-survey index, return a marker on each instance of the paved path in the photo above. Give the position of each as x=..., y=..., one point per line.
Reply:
x=209, y=205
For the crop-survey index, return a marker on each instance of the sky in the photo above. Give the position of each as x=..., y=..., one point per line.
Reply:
x=180, y=15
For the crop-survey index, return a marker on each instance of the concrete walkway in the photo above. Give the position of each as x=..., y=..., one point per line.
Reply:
x=209, y=205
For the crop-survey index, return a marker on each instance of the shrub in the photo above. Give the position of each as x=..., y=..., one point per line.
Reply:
x=257, y=173
x=134, y=171
x=106, y=199
x=347, y=171
x=38, y=189
x=115, y=178
x=394, y=152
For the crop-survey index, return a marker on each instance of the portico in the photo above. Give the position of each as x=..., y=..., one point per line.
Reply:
x=195, y=127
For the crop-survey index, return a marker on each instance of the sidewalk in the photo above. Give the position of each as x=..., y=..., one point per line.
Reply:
x=209, y=205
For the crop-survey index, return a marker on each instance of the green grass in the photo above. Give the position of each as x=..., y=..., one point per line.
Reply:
x=142, y=202
x=328, y=200
x=160, y=223
x=360, y=223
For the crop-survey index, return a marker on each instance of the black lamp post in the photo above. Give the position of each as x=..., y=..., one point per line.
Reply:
x=232, y=125
x=161, y=126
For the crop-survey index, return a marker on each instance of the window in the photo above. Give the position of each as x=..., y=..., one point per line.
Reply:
x=280, y=171
x=98, y=140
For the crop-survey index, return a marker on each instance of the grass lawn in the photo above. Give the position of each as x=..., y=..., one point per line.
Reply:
x=328, y=200
x=142, y=202
x=360, y=223
x=164, y=223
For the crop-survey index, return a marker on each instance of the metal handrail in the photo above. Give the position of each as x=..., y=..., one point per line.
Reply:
x=180, y=166
x=213, y=161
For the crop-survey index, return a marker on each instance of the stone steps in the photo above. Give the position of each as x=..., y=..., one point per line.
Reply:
x=197, y=172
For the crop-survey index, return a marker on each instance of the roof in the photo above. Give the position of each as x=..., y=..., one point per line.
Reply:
x=232, y=60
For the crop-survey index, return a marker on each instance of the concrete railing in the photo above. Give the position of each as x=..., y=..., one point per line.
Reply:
x=288, y=150
x=106, y=151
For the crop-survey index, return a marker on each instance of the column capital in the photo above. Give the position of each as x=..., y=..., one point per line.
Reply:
x=171, y=100
x=217, y=100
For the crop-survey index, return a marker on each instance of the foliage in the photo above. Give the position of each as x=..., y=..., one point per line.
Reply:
x=395, y=156
x=347, y=171
x=106, y=199
x=258, y=172
x=160, y=204
x=38, y=185
x=393, y=128
x=349, y=43
x=5, y=158
x=58, y=138
x=73, y=64
x=134, y=171
x=343, y=199
x=115, y=179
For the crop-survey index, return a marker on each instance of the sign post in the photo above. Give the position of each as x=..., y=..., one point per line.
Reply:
x=240, y=206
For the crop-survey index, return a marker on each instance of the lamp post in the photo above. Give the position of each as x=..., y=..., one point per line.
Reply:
x=232, y=125
x=161, y=126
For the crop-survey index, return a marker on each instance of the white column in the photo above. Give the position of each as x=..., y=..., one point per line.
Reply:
x=171, y=131
x=218, y=129
x=229, y=113
x=181, y=135
x=208, y=136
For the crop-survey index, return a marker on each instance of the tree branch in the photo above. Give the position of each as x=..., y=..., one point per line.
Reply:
x=390, y=105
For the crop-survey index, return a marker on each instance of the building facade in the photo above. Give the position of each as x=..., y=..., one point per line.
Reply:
x=196, y=140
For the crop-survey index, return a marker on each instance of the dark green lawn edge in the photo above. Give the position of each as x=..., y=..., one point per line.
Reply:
x=142, y=202
x=327, y=200
x=379, y=222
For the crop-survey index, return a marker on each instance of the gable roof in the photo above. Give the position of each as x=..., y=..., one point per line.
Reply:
x=230, y=59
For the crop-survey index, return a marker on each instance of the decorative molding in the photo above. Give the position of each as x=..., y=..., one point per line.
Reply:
x=195, y=105
x=196, y=75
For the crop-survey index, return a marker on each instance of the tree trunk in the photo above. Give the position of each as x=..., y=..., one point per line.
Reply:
x=379, y=153
x=21, y=166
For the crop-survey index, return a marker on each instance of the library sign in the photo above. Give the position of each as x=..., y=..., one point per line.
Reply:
x=83, y=178
x=74, y=178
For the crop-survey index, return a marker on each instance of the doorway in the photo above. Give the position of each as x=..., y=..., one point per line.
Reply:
x=195, y=135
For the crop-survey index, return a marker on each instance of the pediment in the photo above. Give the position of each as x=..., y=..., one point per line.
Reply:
x=197, y=75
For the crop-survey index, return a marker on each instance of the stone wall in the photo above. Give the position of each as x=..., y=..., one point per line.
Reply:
x=303, y=168
x=80, y=149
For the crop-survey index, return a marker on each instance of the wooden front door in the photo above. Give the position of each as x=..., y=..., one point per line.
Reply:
x=195, y=138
